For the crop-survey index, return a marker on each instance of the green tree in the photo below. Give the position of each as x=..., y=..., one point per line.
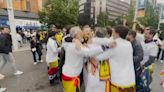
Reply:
x=151, y=17
x=129, y=18
x=103, y=20
x=60, y=12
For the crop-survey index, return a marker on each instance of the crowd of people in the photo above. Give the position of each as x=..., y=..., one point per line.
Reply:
x=115, y=59
x=104, y=59
x=25, y=36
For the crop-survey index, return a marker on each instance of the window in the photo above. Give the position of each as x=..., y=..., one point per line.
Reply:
x=18, y=0
x=100, y=6
x=28, y=6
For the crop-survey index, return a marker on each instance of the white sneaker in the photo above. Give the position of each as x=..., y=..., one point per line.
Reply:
x=18, y=73
x=161, y=61
x=163, y=85
x=2, y=89
x=2, y=76
x=41, y=61
x=35, y=63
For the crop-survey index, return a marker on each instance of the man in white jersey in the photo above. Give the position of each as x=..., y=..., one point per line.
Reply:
x=150, y=51
x=121, y=62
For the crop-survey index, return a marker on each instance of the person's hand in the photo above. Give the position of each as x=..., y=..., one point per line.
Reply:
x=94, y=66
x=94, y=62
x=112, y=44
x=33, y=49
x=86, y=45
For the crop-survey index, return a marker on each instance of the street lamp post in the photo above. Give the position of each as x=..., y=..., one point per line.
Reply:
x=135, y=16
x=12, y=23
x=160, y=13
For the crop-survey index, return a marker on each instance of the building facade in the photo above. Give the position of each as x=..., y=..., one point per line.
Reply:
x=114, y=8
x=24, y=5
x=25, y=12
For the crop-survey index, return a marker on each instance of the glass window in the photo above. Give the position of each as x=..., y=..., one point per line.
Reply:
x=28, y=5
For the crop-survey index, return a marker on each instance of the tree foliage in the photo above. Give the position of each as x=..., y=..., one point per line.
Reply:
x=103, y=20
x=60, y=12
x=129, y=18
x=151, y=17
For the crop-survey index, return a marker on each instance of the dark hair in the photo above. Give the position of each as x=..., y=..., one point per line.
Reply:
x=68, y=27
x=3, y=27
x=152, y=31
x=122, y=31
x=109, y=31
x=133, y=33
x=100, y=34
x=52, y=33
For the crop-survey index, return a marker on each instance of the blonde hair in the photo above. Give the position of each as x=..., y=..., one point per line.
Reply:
x=74, y=31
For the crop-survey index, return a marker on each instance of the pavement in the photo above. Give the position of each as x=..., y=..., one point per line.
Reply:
x=35, y=77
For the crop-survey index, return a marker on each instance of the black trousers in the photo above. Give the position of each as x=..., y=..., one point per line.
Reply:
x=35, y=56
x=159, y=53
x=162, y=58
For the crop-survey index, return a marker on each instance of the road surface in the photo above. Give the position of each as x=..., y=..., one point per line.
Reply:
x=35, y=78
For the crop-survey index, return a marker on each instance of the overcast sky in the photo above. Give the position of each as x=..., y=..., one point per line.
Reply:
x=160, y=1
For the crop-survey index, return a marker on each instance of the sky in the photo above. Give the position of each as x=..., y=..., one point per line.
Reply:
x=128, y=1
x=160, y=1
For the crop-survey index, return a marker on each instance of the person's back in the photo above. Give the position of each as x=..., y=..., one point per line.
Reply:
x=140, y=37
x=74, y=58
x=52, y=50
x=122, y=64
x=70, y=61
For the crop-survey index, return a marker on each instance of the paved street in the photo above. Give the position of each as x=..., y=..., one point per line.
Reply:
x=34, y=78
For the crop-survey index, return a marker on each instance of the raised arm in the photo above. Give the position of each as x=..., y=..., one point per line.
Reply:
x=105, y=55
x=89, y=52
x=101, y=41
